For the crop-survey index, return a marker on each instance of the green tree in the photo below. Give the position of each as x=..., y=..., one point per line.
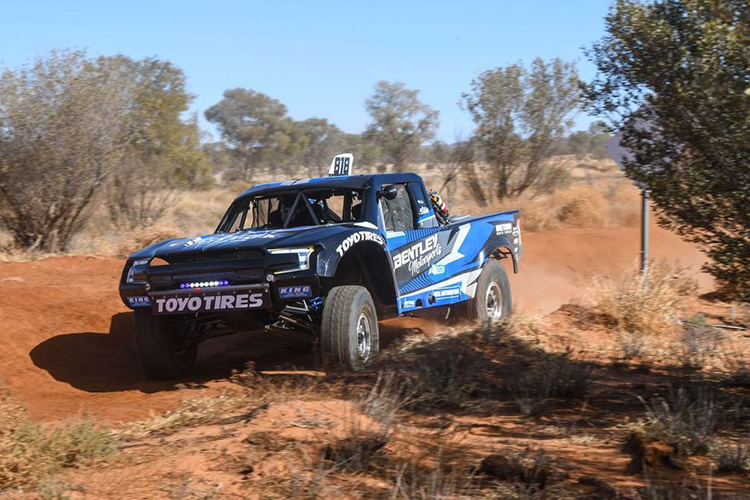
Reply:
x=590, y=142
x=367, y=154
x=62, y=132
x=437, y=154
x=163, y=152
x=257, y=131
x=520, y=115
x=401, y=123
x=324, y=141
x=674, y=78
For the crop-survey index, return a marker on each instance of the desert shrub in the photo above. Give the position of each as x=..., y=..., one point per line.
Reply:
x=579, y=206
x=63, y=120
x=683, y=420
x=731, y=458
x=736, y=367
x=447, y=378
x=624, y=203
x=386, y=397
x=136, y=197
x=439, y=482
x=30, y=451
x=530, y=467
x=191, y=413
x=446, y=371
x=355, y=452
x=697, y=346
x=521, y=491
x=553, y=178
x=361, y=445
x=582, y=207
x=632, y=345
x=51, y=489
x=199, y=212
x=536, y=215
x=687, y=488
x=148, y=236
x=634, y=309
x=553, y=376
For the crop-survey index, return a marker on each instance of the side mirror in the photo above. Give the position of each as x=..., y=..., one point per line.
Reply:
x=390, y=192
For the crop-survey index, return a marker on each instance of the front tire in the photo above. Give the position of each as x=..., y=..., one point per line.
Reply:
x=349, y=331
x=492, y=301
x=162, y=349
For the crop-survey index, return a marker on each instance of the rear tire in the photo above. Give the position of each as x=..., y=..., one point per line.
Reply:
x=349, y=331
x=492, y=301
x=157, y=343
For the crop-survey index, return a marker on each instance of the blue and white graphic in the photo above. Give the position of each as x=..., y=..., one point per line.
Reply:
x=441, y=266
x=437, y=269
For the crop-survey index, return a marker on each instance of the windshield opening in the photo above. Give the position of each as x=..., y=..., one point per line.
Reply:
x=294, y=209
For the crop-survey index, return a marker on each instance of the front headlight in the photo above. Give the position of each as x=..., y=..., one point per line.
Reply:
x=131, y=272
x=303, y=257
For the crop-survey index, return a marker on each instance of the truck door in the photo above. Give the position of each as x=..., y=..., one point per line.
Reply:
x=413, y=249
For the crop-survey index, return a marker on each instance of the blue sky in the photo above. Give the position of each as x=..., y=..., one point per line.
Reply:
x=319, y=58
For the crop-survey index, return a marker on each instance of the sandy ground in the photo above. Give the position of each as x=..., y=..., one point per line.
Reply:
x=67, y=339
x=67, y=350
x=557, y=264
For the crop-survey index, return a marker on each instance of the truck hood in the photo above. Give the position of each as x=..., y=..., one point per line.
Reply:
x=250, y=239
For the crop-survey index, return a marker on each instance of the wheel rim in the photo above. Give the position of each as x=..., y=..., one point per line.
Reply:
x=363, y=336
x=494, y=302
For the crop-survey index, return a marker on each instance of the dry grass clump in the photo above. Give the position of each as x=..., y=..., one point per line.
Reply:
x=359, y=448
x=686, y=421
x=442, y=371
x=467, y=369
x=30, y=451
x=257, y=393
x=687, y=488
x=148, y=236
x=192, y=412
x=633, y=309
x=632, y=345
x=731, y=458
x=697, y=346
x=279, y=388
x=554, y=375
x=581, y=206
x=199, y=212
x=736, y=367
x=439, y=482
x=386, y=398
x=526, y=474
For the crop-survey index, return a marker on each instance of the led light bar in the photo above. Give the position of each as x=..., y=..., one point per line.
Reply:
x=204, y=284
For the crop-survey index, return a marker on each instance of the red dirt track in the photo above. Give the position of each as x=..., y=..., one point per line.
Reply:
x=67, y=341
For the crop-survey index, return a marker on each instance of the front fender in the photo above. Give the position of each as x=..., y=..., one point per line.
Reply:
x=330, y=256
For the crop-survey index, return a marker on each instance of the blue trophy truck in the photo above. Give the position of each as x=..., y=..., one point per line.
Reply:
x=324, y=259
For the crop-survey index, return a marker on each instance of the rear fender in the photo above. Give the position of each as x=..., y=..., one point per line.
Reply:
x=501, y=248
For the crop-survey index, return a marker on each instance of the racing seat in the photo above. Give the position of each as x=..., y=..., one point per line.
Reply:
x=275, y=219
